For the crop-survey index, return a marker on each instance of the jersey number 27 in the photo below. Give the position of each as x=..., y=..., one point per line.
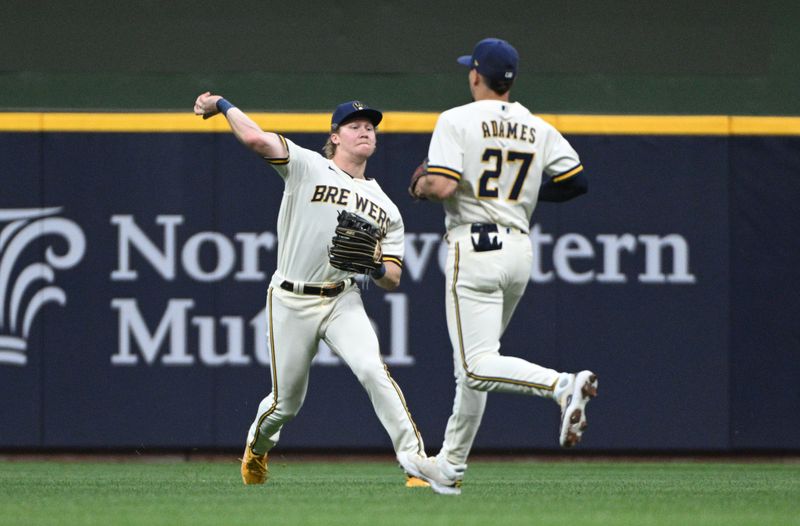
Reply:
x=488, y=186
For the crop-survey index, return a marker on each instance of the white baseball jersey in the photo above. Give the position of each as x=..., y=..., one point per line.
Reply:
x=498, y=152
x=316, y=190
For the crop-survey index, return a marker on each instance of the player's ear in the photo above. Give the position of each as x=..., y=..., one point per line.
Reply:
x=335, y=138
x=474, y=77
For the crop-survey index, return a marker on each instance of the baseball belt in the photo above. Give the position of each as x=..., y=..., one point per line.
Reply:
x=326, y=291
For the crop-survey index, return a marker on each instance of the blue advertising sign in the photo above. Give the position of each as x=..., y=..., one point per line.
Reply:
x=134, y=270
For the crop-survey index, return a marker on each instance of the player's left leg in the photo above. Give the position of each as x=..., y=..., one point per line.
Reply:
x=350, y=335
x=483, y=290
x=464, y=422
x=462, y=427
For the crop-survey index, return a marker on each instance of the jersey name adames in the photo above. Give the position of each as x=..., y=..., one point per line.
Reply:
x=508, y=130
x=498, y=152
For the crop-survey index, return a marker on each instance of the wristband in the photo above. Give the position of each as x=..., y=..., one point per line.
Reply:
x=223, y=106
x=379, y=272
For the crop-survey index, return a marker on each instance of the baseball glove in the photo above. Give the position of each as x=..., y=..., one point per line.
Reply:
x=356, y=247
x=421, y=171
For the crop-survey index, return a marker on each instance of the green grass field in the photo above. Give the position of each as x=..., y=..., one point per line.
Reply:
x=372, y=493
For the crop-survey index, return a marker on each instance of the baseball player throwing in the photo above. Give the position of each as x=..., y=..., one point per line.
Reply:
x=489, y=162
x=326, y=234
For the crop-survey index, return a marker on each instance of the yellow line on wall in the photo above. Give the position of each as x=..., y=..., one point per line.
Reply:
x=395, y=122
x=641, y=124
x=765, y=125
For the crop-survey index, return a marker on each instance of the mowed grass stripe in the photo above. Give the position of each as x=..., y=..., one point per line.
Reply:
x=372, y=493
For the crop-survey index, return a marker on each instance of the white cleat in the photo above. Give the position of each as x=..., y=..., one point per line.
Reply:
x=429, y=470
x=573, y=407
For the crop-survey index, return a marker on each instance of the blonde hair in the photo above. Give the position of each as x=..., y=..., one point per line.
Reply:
x=329, y=150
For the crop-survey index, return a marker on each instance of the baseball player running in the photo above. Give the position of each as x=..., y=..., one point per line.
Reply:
x=489, y=162
x=312, y=295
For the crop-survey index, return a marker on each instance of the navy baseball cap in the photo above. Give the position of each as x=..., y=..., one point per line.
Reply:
x=493, y=58
x=352, y=109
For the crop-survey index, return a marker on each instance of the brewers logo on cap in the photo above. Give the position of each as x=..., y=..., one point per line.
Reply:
x=352, y=109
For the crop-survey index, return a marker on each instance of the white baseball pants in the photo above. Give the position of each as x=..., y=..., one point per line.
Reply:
x=296, y=323
x=483, y=290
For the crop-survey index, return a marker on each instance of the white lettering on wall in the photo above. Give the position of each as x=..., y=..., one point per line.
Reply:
x=612, y=247
x=646, y=250
x=416, y=262
x=129, y=233
x=572, y=246
x=538, y=240
x=223, y=252
x=575, y=258
x=233, y=354
x=161, y=255
x=251, y=244
x=654, y=247
x=170, y=342
x=182, y=337
x=133, y=329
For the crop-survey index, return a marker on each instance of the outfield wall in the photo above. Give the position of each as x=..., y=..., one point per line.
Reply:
x=619, y=56
x=135, y=250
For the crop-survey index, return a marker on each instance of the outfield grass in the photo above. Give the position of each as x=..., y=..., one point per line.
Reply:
x=372, y=493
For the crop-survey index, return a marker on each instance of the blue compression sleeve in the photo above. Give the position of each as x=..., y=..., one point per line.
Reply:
x=563, y=190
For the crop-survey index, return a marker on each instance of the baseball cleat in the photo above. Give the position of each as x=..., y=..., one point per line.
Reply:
x=415, y=482
x=254, y=467
x=573, y=407
x=429, y=470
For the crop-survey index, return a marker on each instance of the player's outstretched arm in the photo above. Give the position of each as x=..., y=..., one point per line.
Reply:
x=265, y=144
x=391, y=279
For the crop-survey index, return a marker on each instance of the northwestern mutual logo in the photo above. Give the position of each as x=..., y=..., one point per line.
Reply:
x=26, y=285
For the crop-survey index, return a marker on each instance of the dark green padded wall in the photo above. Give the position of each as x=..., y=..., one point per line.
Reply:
x=678, y=57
